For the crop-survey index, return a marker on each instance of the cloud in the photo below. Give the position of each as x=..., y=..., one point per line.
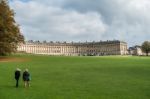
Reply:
x=43, y=22
x=81, y=20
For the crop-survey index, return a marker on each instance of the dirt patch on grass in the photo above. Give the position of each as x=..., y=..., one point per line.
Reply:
x=12, y=59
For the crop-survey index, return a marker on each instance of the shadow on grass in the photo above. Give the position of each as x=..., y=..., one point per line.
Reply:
x=9, y=87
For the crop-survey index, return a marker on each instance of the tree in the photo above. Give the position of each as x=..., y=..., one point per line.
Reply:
x=146, y=47
x=10, y=34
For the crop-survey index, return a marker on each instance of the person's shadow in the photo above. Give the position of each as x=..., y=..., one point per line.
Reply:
x=10, y=87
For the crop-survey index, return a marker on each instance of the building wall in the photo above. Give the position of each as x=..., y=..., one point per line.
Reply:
x=136, y=50
x=76, y=49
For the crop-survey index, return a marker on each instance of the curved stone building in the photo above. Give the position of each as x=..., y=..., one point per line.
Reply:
x=75, y=49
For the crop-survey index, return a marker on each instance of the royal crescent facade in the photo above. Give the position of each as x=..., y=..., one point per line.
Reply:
x=75, y=49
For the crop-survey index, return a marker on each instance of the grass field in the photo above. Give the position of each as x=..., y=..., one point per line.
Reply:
x=59, y=77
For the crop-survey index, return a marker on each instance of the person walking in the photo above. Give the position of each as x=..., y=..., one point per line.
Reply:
x=17, y=76
x=26, y=78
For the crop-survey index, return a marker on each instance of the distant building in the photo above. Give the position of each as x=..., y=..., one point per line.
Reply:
x=135, y=50
x=75, y=49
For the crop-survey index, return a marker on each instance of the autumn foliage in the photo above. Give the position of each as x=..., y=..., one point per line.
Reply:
x=10, y=34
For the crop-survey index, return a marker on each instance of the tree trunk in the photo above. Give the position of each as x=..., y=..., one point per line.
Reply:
x=147, y=54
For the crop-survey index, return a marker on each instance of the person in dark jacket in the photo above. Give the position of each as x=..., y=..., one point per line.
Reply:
x=26, y=78
x=17, y=76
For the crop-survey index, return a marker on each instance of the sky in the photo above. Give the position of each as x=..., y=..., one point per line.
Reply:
x=83, y=20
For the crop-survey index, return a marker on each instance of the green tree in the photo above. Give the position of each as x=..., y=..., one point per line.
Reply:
x=146, y=47
x=10, y=34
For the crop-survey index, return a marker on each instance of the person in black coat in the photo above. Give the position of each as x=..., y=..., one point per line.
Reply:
x=26, y=78
x=17, y=76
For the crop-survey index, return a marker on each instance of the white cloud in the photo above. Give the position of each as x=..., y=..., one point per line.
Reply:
x=81, y=20
x=39, y=21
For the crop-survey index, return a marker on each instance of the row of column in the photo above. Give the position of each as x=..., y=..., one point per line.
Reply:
x=65, y=50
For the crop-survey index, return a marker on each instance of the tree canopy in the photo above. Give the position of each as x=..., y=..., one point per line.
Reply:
x=10, y=34
x=146, y=47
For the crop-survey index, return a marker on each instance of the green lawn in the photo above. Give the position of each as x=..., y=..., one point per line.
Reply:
x=59, y=77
